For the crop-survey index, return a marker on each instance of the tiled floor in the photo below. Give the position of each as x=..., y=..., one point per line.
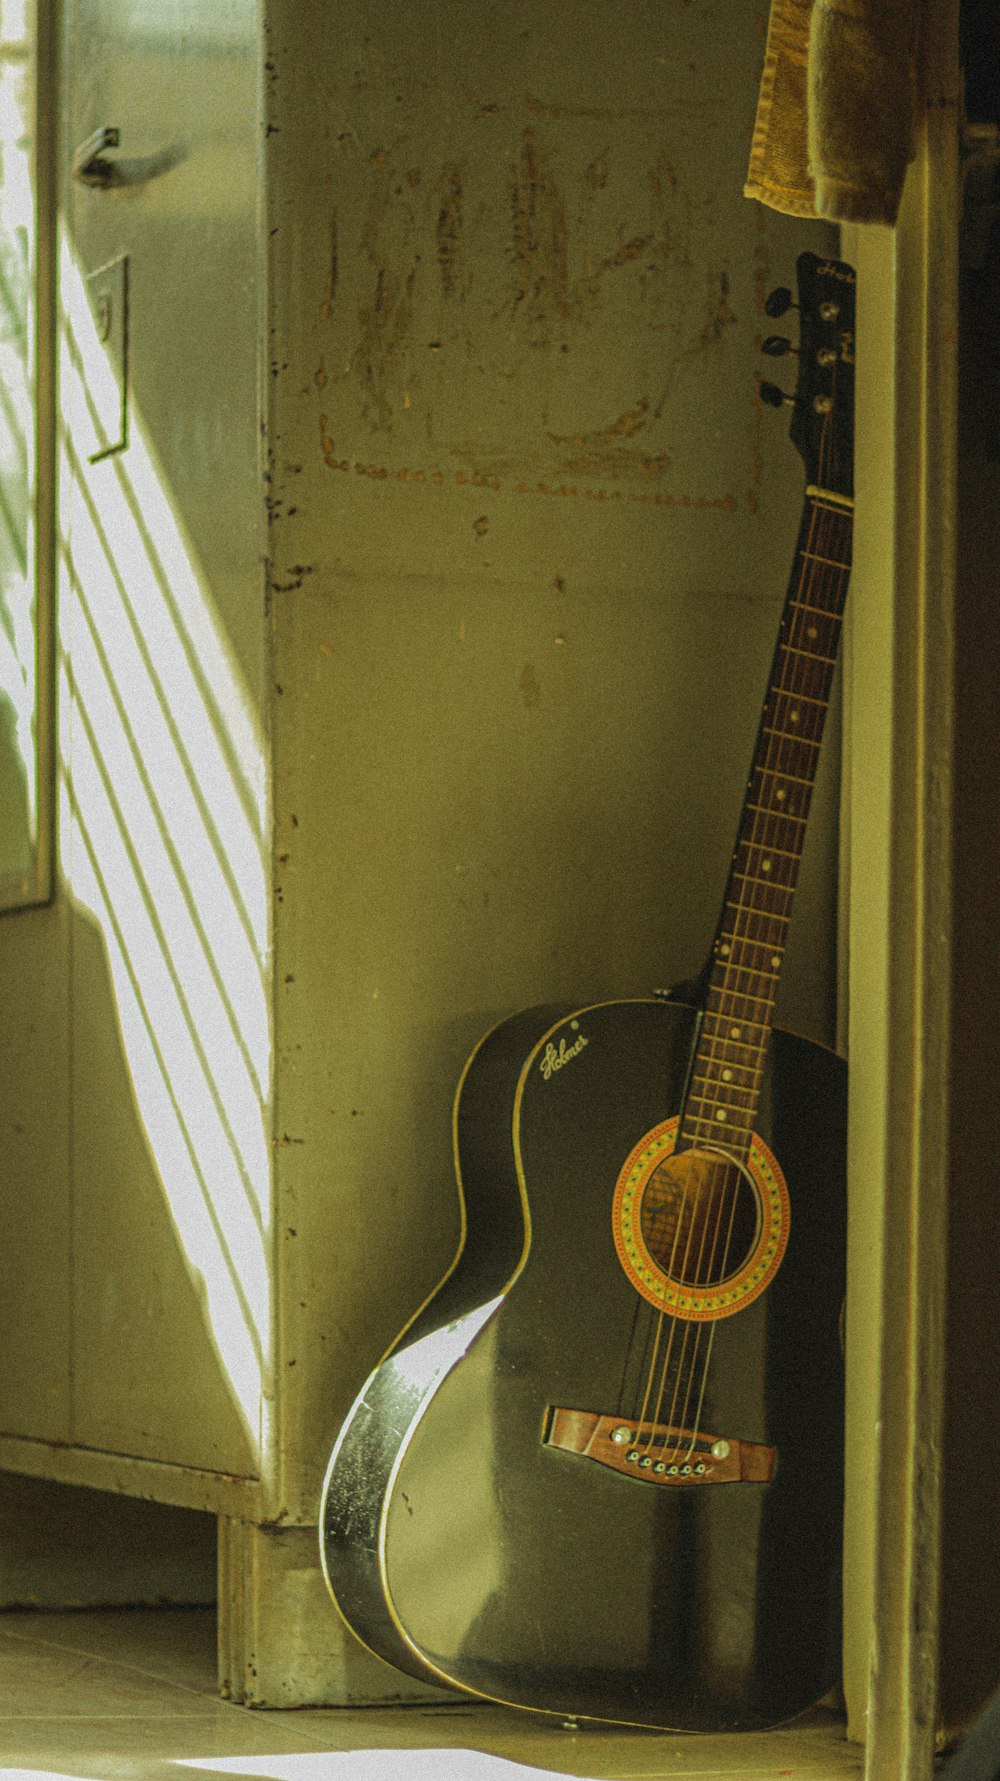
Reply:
x=131, y=1694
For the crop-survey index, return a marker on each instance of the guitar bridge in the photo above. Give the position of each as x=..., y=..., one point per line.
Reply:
x=656, y=1452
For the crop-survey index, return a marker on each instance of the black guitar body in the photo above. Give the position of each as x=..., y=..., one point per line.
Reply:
x=466, y=1548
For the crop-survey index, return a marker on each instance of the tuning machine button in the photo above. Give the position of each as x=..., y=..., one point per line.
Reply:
x=779, y=302
x=776, y=346
x=775, y=397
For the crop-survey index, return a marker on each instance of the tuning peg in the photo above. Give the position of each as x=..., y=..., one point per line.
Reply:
x=770, y=393
x=779, y=301
x=776, y=346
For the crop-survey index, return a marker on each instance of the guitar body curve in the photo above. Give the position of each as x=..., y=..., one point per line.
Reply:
x=466, y=1542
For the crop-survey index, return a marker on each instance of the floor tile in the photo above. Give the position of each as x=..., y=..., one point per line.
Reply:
x=174, y=1645
x=131, y=1695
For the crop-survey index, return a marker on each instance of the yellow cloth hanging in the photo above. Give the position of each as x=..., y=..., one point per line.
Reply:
x=834, y=126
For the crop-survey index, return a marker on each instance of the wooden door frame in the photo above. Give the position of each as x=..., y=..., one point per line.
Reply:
x=898, y=811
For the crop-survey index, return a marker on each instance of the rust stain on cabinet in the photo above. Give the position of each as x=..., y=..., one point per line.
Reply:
x=333, y=268
x=449, y=227
x=539, y=220
x=561, y=260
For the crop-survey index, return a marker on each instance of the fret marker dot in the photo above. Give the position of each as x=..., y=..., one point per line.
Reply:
x=727, y=1075
x=776, y=960
x=765, y=865
x=812, y=632
x=793, y=717
x=734, y=1032
x=721, y=1114
x=724, y=951
x=781, y=794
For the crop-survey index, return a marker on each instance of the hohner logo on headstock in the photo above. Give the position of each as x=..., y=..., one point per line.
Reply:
x=831, y=269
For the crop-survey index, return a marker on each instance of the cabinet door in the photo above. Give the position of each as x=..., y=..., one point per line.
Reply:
x=161, y=665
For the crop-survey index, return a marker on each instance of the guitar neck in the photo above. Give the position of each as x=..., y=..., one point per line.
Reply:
x=749, y=947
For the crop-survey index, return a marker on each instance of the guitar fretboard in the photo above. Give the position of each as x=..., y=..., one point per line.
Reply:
x=727, y=1068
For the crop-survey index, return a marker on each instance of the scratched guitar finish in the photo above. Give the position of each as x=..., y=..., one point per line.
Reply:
x=600, y=1473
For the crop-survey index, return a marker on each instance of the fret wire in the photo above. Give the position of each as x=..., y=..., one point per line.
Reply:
x=728, y=1107
x=742, y=1128
x=791, y=736
x=833, y=612
x=750, y=970
x=745, y=841
x=720, y=1064
x=752, y=909
x=753, y=1071
x=788, y=692
x=800, y=629
x=782, y=815
x=768, y=883
x=748, y=930
x=748, y=1091
x=778, y=773
x=759, y=914
x=745, y=996
x=731, y=1125
x=741, y=1044
x=741, y=1088
x=709, y=1100
x=818, y=505
x=831, y=562
x=794, y=650
x=742, y=941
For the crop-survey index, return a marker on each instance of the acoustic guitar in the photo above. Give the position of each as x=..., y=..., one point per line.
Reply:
x=600, y=1472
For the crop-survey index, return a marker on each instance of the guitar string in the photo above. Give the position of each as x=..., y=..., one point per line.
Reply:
x=674, y=1321
x=813, y=552
x=676, y=1420
x=822, y=522
x=754, y=842
x=654, y=1420
x=678, y=1416
x=819, y=576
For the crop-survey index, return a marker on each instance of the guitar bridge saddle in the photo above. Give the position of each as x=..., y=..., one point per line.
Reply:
x=656, y=1452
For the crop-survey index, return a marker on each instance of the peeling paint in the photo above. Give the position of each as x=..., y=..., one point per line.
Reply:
x=540, y=238
x=635, y=464
x=330, y=293
x=327, y=446
x=627, y=424
x=720, y=316
x=449, y=227
x=460, y=273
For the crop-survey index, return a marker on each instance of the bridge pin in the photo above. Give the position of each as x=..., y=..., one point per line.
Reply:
x=645, y=1461
x=659, y=1466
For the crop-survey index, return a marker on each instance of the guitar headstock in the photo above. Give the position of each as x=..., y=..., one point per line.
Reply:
x=822, y=426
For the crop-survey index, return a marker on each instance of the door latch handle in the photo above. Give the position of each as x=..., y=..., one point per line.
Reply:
x=89, y=164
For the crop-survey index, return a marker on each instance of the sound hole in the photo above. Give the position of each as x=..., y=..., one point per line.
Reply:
x=699, y=1217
